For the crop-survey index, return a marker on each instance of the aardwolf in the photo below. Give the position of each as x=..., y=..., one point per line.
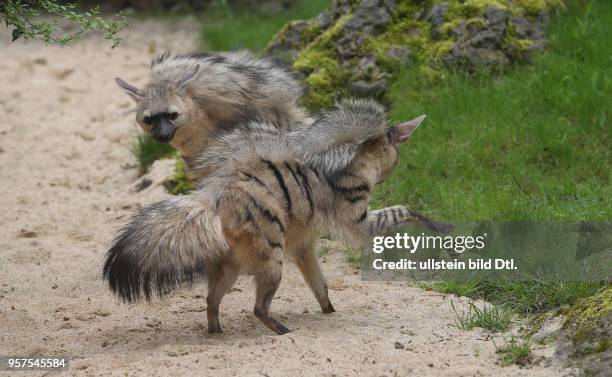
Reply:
x=191, y=96
x=269, y=198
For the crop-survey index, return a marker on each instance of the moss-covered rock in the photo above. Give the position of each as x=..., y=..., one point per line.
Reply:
x=178, y=182
x=589, y=322
x=588, y=331
x=355, y=45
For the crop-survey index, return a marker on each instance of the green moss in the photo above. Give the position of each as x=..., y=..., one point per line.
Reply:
x=589, y=321
x=179, y=183
x=317, y=61
x=329, y=78
x=306, y=34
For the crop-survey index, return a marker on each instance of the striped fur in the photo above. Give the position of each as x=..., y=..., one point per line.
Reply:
x=382, y=220
x=265, y=203
x=328, y=141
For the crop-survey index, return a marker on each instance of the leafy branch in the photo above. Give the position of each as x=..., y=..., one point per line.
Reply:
x=24, y=17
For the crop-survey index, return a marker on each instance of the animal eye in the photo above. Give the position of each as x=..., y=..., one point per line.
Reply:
x=147, y=120
x=173, y=116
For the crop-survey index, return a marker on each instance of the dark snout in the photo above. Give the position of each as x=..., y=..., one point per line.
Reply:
x=163, y=130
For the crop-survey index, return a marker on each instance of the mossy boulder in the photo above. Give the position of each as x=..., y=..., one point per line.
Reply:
x=178, y=183
x=354, y=46
x=588, y=327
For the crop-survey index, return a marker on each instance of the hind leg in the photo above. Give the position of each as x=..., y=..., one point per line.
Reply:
x=308, y=264
x=221, y=278
x=267, y=280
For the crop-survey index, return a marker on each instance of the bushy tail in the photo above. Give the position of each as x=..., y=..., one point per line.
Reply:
x=165, y=245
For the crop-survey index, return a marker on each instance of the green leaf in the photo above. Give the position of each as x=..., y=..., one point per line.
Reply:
x=16, y=34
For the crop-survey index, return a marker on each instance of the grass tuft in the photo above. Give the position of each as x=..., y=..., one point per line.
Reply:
x=324, y=250
x=147, y=150
x=352, y=256
x=515, y=352
x=490, y=318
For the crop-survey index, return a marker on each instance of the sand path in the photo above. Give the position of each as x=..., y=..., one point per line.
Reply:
x=68, y=178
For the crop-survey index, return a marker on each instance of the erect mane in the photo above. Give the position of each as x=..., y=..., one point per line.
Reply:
x=328, y=142
x=332, y=140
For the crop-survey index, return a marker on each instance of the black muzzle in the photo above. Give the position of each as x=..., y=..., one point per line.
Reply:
x=163, y=130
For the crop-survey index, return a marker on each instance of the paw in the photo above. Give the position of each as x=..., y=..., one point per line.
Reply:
x=329, y=308
x=215, y=330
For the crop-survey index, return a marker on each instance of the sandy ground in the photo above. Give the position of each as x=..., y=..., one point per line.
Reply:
x=68, y=179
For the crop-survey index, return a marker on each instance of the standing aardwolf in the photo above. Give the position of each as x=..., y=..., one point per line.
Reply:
x=268, y=199
x=191, y=96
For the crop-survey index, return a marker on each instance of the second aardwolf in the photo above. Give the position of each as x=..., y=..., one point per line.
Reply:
x=266, y=202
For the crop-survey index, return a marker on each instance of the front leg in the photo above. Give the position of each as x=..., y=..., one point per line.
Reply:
x=382, y=220
x=308, y=264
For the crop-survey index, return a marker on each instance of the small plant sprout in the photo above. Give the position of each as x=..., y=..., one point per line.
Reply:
x=490, y=318
x=514, y=352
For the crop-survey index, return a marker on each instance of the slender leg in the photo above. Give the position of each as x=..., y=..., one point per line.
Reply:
x=267, y=280
x=382, y=220
x=221, y=278
x=309, y=265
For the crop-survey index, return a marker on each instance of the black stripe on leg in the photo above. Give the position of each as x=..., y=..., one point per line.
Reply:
x=248, y=216
x=281, y=183
x=394, y=213
x=378, y=221
x=273, y=244
x=363, y=216
x=306, y=185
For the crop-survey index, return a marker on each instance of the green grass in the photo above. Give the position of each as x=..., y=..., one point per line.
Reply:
x=515, y=352
x=534, y=144
x=523, y=297
x=352, y=256
x=146, y=150
x=530, y=145
x=490, y=318
x=323, y=251
x=225, y=28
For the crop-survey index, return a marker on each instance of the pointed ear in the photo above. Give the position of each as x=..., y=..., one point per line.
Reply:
x=189, y=76
x=407, y=128
x=131, y=90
